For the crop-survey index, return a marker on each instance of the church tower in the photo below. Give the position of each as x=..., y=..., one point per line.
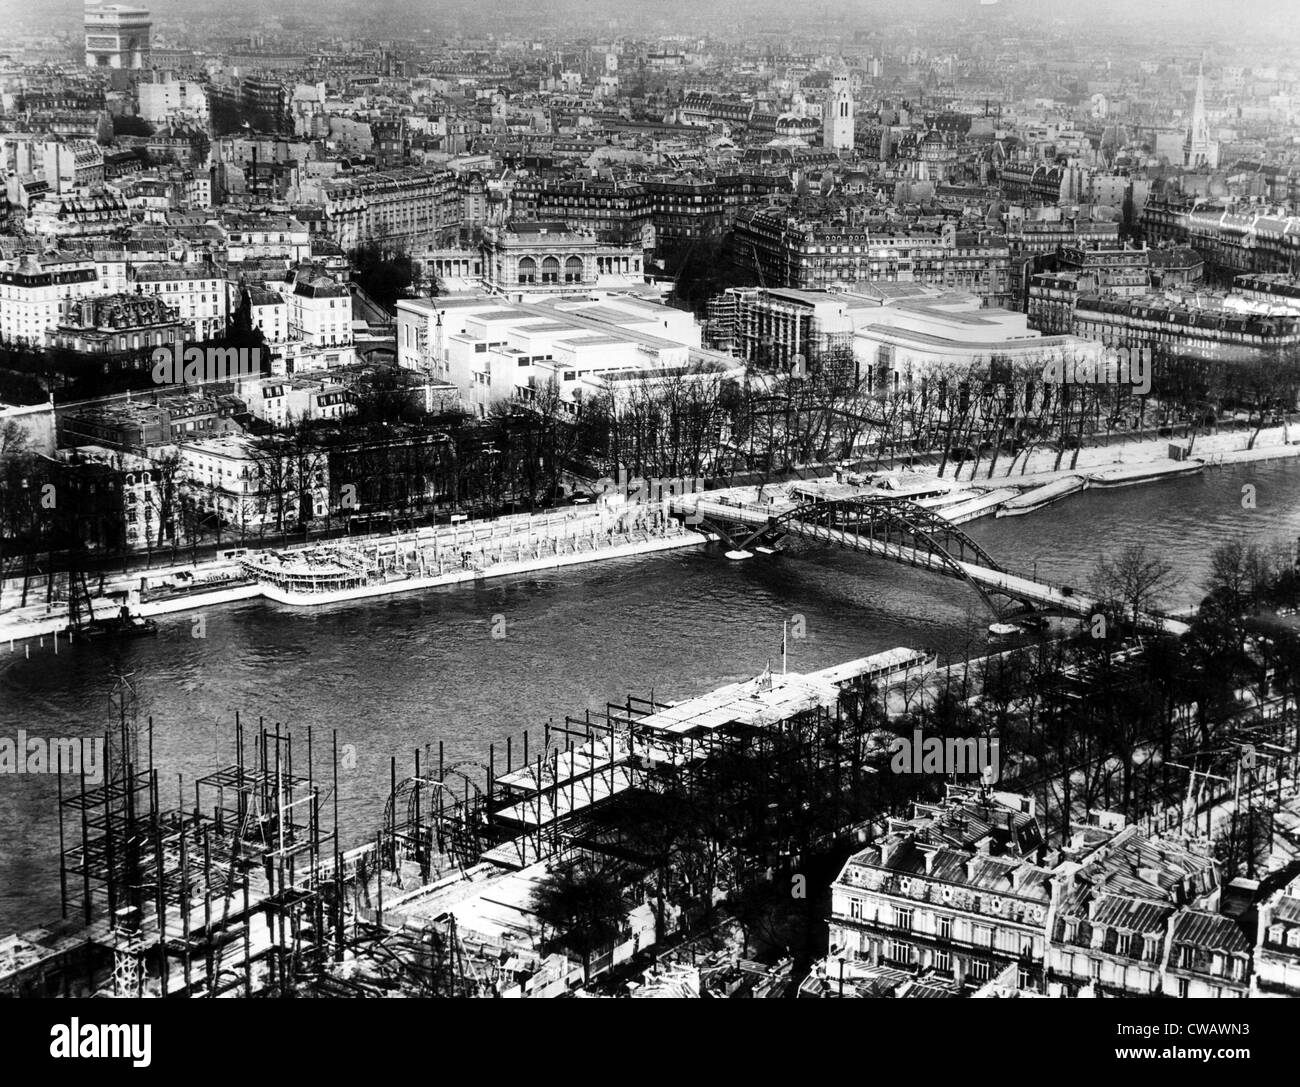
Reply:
x=837, y=125
x=1199, y=149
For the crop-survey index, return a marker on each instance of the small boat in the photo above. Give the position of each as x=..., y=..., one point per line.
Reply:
x=1037, y=497
x=118, y=626
x=1004, y=630
x=764, y=550
x=737, y=556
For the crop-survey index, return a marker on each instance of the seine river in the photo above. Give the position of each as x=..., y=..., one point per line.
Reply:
x=392, y=675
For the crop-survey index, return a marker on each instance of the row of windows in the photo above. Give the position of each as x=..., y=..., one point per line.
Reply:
x=980, y=970
x=195, y=285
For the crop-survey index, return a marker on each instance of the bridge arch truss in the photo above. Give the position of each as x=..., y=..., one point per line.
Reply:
x=894, y=523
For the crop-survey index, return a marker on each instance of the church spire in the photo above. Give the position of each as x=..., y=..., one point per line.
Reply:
x=1198, y=108
x=1200, y=149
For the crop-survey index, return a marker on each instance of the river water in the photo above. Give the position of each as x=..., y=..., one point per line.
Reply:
x=392, y=675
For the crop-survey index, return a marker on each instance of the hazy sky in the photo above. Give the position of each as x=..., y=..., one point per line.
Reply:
x=1180, y=19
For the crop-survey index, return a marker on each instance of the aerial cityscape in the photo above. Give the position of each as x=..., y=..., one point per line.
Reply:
x=629, y=501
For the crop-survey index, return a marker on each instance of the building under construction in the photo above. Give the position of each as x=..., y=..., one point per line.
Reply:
x=234, y=888
x=240, y=886
x=765, y=771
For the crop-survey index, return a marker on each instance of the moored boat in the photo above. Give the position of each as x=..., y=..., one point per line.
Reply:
x=122, y=625
x=1037, y=497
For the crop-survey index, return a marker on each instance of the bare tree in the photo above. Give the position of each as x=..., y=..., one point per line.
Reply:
x=1136, y=577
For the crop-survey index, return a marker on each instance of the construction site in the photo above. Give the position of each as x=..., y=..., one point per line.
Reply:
x=240, y=887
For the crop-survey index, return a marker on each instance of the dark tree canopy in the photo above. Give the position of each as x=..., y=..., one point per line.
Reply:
x=383, y=274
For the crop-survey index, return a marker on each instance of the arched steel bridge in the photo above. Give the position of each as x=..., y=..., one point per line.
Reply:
x=890, y=527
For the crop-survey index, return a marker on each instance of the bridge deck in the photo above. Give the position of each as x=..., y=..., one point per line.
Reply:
x=1024, y=589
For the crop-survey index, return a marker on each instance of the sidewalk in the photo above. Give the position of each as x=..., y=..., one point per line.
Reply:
x=1040, y=466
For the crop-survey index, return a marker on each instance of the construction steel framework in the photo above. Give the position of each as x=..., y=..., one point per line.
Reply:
x=594, y=776
x=234, y=891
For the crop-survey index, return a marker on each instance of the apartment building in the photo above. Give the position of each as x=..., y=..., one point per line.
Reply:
x=415, y=206
x=1273, y=291
x=1164, y=219
x=1032, y=181
x=1175, y=266
x=172, y=99
x=269, y=313
x=1234, y=243
x=1277, y=944
x=197, y=292
x=615, y=211
x=952, y=892
x=118, y=324
x=34, y=291
x=1209, y=957
x=1119, y=270
x=1080, y=269
x=1205, y=328
x=319, y=308
x=265, y=237
x=136, y=427
x=1052, y=296
x=253, y=485
x=280, y=401
x=818, y=254
x=142, y=495
x=963, y=893
x=1135, y=915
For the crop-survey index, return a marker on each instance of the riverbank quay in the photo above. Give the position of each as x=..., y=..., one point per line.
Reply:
x=304, y=574
x=1045, y=463
x=311, y=575
x=1161, y=458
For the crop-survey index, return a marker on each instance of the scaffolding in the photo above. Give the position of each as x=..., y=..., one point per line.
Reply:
x=240, y=886
x=234, y=891
x=806, y=768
